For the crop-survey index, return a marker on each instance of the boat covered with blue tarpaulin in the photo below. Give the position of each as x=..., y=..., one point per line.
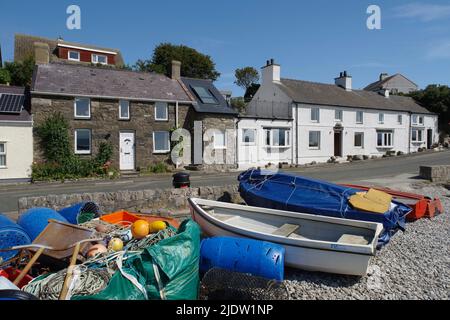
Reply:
x=289, y=192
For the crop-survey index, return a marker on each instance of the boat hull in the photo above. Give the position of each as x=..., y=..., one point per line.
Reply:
x=298, y=257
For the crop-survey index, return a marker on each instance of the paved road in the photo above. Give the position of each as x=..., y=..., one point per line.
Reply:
x=339, y=173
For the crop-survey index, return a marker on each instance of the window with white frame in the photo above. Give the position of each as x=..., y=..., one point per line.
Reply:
x=338, y=115
x=2, y=154
x=381, y=118
x=400, y=119
x=385, y=139
x=248, y=136
x=73, y=55
x=315, y=114
x=220, y=140
x=314, y=139
x=278, y=137
x=359, y=117
x=161, y=142
x=417, y=135
x=83, y=141
x=124, y=110
x=359, y=139
x=99, y=58
x=161, y=111
x=82, y=108
x=417, y=120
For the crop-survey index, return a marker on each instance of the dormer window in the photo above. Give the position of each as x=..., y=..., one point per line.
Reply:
x=73, y=56
x=205, y=95
x=98, y=58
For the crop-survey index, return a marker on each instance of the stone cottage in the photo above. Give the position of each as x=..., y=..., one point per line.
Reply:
x=134, y=111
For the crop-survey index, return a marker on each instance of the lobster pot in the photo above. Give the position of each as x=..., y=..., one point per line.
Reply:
x=181, y=180
x=258, y=258
x=11, y=235
x=35, y=220
x=81, y=212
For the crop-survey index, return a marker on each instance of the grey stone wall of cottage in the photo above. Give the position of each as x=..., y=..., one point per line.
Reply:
x=157, y=201
x=105, y=125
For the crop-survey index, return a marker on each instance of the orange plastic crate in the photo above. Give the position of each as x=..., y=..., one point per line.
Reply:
x=120, y=217
x=126, y=218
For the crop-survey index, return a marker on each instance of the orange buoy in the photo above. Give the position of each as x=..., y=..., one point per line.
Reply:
x=140, y=229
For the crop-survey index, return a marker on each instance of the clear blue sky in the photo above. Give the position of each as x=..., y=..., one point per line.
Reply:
x=312, y=40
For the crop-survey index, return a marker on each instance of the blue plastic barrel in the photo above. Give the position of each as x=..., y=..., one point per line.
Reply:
x=35, y=220
x=73, y=213
x=258, y=258
x=11, y=235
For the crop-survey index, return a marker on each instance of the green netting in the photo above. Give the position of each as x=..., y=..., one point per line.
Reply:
x=166, y=270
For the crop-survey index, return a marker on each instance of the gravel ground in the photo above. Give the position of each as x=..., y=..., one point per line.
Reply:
x=414, y=265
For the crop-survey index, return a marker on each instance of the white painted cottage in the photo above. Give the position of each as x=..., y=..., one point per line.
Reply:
x=298, y=122
x=16, y=135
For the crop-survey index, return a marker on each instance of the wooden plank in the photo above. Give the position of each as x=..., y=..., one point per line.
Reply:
x=352, y=239
x=286, y=230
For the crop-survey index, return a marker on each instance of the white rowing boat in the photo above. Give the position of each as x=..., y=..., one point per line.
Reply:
x=313, y=243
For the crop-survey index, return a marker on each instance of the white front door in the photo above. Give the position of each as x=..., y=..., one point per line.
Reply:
x=126, y=151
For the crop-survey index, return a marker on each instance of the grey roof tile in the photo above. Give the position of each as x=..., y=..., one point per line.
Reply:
x=73, y=80
x=332, y=95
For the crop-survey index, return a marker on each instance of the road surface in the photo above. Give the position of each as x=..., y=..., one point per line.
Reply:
x=353, y=172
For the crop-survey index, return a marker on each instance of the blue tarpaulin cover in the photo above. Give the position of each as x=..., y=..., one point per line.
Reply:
x=282, y=191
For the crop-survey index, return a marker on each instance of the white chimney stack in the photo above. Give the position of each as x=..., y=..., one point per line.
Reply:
x=271, y=72
x=344, y=81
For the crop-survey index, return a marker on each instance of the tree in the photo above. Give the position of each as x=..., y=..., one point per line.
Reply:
x=4, y=76
x=436, y=98
x=193, y=63
x=251, y=91
x=246, y=77
x=21, y=72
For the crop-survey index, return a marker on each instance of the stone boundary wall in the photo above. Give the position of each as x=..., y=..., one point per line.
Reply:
x=155, y=201
x=435, y=173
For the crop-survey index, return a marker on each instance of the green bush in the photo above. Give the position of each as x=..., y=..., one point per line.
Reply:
x=5, y=77
x=54, y=135
x=62, y=163
x=159, y=167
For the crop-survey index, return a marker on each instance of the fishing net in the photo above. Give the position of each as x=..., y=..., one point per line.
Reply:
x=220, y=284
x=86, y=283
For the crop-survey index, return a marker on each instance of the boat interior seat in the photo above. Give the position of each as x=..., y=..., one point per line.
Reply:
x=352, y=239
x=286, y=230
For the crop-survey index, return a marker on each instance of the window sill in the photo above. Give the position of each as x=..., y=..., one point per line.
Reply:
x=360, y=123
x=82, y=118
x=161, y=152
x=277, y=147
x=161, y=120
x=313, y=148
x=418, y=142
x=3, y=168
x=83, y=153
x=385, y=147
x=124, y=119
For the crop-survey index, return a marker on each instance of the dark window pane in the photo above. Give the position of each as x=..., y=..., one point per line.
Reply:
x=83, y=140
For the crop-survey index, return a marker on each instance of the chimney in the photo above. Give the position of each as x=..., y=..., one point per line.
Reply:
x=41, y=53
x=176, y=70
x=344, y=81
x=383, y=76
x=271, y=72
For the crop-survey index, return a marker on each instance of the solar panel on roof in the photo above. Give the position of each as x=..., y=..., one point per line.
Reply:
x=11, y=103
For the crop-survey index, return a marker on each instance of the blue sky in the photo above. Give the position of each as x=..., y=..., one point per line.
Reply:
x=312, y=40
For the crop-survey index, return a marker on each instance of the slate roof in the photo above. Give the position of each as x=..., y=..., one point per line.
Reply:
x=80, y=80
x=221, y=107
x=332, y=95
x=24, y=47
x=24, y=115
x=378, y=85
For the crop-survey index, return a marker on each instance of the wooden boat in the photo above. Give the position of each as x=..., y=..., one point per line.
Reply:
x=312, y=242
